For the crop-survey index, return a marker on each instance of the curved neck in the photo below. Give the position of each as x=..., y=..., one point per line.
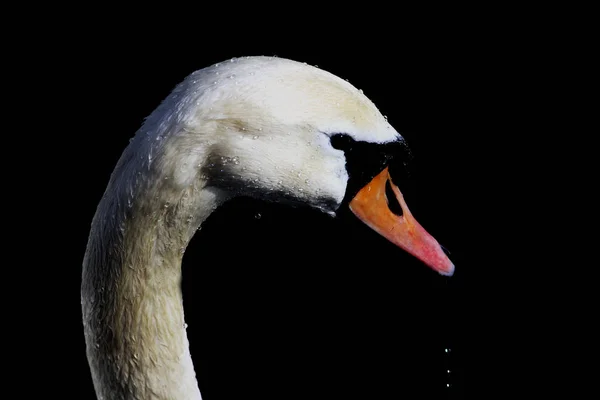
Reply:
x=132, y=306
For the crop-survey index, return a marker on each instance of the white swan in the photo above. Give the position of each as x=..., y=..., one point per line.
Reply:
x=257, y=126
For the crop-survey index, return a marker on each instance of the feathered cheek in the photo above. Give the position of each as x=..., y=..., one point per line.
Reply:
x=342, y=180
x=334, y=183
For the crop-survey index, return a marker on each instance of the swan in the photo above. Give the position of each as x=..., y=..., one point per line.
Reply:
x=254, y=126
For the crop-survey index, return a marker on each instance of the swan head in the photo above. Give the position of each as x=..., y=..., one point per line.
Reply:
x=267, y=127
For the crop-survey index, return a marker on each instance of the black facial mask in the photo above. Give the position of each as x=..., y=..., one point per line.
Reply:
x=365, y=160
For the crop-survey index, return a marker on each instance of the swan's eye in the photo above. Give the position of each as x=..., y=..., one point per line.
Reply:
x=392, y=201
x=341, y=142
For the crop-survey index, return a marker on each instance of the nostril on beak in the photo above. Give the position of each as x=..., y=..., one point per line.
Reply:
x=392, y=202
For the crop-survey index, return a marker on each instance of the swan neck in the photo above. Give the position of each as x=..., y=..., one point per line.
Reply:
x=132, y=305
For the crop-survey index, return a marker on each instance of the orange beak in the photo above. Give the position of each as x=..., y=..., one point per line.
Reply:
x=370, y=205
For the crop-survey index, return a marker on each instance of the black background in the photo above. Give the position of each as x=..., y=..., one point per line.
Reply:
x=294, y=304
